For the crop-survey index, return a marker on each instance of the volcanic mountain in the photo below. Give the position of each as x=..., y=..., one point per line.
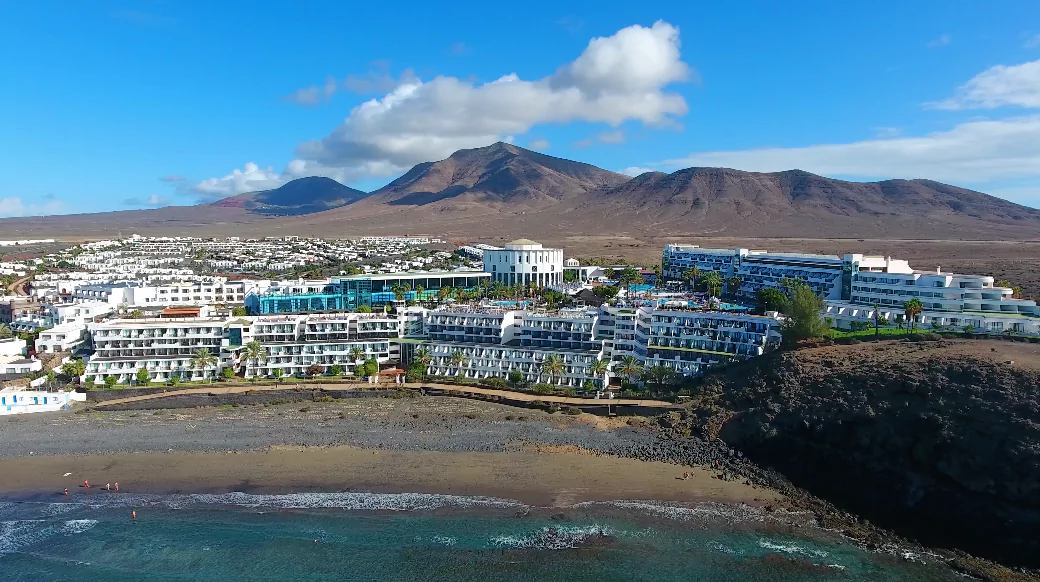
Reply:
x=504, y=191
x=300, y=196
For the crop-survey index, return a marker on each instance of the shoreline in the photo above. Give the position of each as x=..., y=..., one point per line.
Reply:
x=555, y=478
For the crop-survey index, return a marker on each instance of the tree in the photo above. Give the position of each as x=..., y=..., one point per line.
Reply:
x=1016, y=292
x=253, y=352
x=357, y=353
x=74, y=368
x=227, y=373
x=552, y=366
x=912, y=309
x=877, y=320
x=733, y=285
x=628, y=277
x=444, y=293
x=605, y=291
x=371, y=367
x=398, y=292
x=458, y=360
x=143, y=377
x=712, y=282
x=1003, y=283
x=771, y=299
x=50, y=377
x=110, y=381
x=135, y=314
x=314, y=370
x=660, y=376
x=5, y=331
x=336, y=370
x=364, y=309
x=239, y=311
x=423, y=357
x=803, y=315
x=278, y=373
x=691, y=275
x=599, y=369
x=202, y=359
x=968, y=329
x=515, y=378
x=419, y=292
x=630, y=368
x=610, y=274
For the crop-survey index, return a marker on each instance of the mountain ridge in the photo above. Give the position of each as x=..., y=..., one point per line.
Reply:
x=503, y=189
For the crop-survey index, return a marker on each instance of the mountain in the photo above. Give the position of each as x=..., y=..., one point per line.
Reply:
x=798, y=203
x=300, y=196
x=502, y=191
x=501, y=175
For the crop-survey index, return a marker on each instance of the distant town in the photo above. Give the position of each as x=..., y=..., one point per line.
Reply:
x=155, y=311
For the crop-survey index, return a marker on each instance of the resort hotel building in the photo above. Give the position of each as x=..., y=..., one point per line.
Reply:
x=853, y=284
x=524, y=262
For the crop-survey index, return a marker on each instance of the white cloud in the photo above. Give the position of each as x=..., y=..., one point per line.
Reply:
x=887, y=132
x=378, y=80
x=13, y=206
x=941, y=41
x=249, y=179
x=314, y=95
x=617, y=136
x=153, y=201
x=975, y=152
x=996, y=87
x=617, y=78
x=635, y=171
x=1032, y=42
x=539, y=144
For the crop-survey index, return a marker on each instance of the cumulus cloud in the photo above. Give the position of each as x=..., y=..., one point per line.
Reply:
x=152, y=201
x=378, y=80
x=887, y=132
x=249, y=179
x=1032, y=41
x=941, y=41
x=539, y=144
x=975, y=152
x=13, y=206
x=617, y=136
x=997, y=87
x=618, y=78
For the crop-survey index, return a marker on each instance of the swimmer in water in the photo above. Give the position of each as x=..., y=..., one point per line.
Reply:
x=133, y=515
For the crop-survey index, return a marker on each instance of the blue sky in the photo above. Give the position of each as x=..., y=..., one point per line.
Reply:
x=110, y=106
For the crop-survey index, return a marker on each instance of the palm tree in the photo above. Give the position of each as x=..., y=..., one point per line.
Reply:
x=419, y=293
x=254, y=352
x=733, y=284
x=458, y=360
x=912, y=309
x=599, y=369
x=445, y=292
x=712, y=282
x=552, y=366
x=202, y=359
x=5, y=331
x=423, y=357
x=398, y=292
x=877, y=320
x=630, y=368
x=690, y=275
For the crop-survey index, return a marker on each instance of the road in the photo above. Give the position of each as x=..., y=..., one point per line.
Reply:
x=18, y=286
x=449, y=388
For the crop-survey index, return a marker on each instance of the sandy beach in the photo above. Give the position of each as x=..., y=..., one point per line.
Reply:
x=421, y=445
x=546, y=478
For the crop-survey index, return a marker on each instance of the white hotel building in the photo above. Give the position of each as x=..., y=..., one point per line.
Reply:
x=854, y=283
x=525, y=262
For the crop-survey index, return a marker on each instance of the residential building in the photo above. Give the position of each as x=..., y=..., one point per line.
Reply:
x=63, y=338
x=163, y=346
x=689, y=342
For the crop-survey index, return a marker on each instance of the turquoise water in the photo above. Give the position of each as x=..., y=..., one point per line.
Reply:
x=415, y=537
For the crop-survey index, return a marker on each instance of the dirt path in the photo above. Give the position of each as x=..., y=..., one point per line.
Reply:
x=457, y=390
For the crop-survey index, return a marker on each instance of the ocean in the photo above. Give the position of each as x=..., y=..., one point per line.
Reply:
x=418, y=537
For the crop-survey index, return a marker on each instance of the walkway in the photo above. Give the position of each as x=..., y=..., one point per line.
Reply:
x=505, y=395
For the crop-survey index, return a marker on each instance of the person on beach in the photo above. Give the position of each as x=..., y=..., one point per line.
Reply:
x=108, y=486
x=117, y=485
x=86, y=484
x=66, y=492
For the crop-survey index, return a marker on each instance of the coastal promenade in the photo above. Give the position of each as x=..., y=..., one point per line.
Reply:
x=448, y=389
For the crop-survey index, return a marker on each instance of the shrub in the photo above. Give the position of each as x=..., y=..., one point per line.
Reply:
x=571, y=410
x=110, y=381
x=569, y=392
x=336, y=370
x=496, y=383
x=542, y=388
x=227, y=373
